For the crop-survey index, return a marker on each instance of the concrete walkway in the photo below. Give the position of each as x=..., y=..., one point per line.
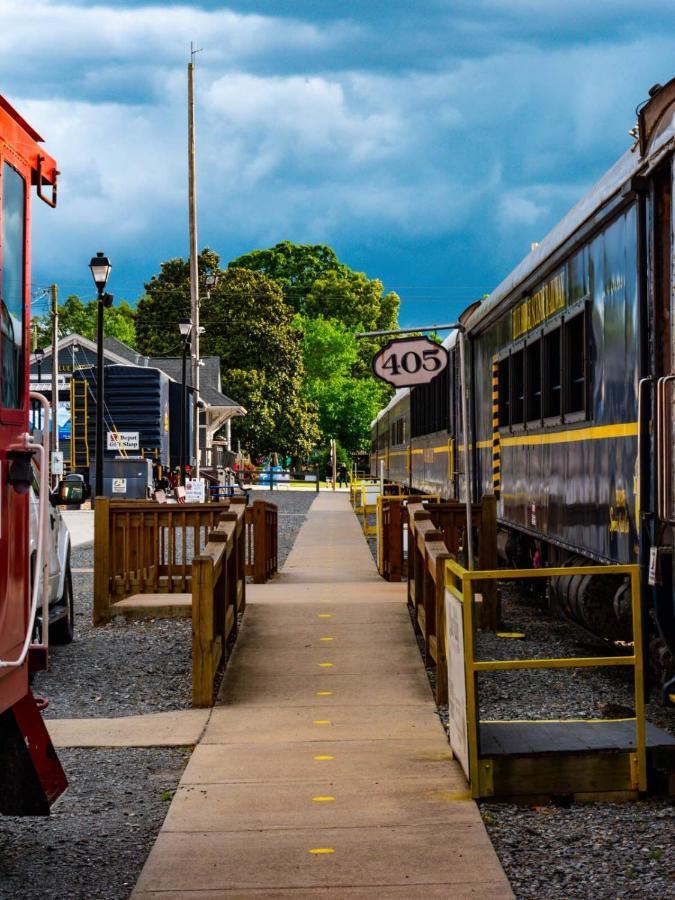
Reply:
x=324, y=770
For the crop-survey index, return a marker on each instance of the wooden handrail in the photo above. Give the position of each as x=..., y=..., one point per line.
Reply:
x=262, y=527
x=218, y=597
x=437, y=533
x=144, y=547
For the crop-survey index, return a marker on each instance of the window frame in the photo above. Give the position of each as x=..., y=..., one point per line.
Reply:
x=540, y=334
x=580, y=310
x=17, y=415
x=534, y=421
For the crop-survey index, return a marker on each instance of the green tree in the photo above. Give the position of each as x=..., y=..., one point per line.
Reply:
x=294, y=266
x=360, y=304
x=76, y=317
x=249, y=326
x=346, y=405
x=317, y=284
x=166, y=300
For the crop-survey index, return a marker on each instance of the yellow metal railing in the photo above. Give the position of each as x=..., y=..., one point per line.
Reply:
x=459, y=583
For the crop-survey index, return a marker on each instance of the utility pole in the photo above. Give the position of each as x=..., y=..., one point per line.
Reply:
x=194, y=266
x=55, y=368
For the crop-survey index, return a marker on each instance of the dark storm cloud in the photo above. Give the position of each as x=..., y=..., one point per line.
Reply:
x=430, y=143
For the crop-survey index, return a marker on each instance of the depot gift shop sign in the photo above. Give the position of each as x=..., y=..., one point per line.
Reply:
x=123, y=440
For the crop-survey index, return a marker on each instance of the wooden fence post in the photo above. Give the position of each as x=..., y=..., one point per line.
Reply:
x=441, y=649
x=487, y=560
x=101, y=610
x=259, y=542
x=202, y=631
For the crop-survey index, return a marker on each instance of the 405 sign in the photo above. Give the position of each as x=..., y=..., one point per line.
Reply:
x=410, y=361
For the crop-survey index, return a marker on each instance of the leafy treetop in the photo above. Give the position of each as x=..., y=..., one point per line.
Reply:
x=76, y=317
x=294, y=266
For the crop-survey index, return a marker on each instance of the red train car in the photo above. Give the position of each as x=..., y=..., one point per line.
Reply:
x=31, y=777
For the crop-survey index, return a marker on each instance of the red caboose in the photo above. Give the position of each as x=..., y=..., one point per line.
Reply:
x=31, y=777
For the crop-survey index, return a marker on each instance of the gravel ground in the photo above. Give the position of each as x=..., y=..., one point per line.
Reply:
x=129, y=668
x=575, y=850
x=569, y=850
x=100, y=832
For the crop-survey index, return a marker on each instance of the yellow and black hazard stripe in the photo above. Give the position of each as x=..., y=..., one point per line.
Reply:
x=496, y=447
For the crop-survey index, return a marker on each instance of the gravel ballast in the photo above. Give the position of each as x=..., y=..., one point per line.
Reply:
x=129, y=668
x=100, y=832
x=565, y=850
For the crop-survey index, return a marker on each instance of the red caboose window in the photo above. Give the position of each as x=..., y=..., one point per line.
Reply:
x=12, y=288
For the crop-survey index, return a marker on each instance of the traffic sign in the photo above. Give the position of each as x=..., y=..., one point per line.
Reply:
x=410, y=361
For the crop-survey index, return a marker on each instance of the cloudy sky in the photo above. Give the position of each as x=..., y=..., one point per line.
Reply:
x=428, y=142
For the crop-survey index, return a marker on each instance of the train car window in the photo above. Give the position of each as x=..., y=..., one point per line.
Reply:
x=12, y=286
x=552, y=381
x=533, y=381
x=504, y=394
x=429, y=406
x=518, y=387
x=575, y=364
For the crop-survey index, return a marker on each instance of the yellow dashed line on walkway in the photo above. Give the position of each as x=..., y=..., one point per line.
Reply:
x=323, y=799
x=326, y=639
x=318, y=850
x=326, y=665
x=323, y=758
x=324, y=693
x=325, y=615
x=322, y=721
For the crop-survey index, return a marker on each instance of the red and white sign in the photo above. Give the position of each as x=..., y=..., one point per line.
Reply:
x=410, y=361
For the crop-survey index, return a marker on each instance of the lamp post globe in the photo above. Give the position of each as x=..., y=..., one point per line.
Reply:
x=100, y=270
x=100, y=267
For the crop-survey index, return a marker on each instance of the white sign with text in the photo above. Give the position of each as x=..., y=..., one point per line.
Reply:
x=195, y=490
x=123, y=440
x=454, y=642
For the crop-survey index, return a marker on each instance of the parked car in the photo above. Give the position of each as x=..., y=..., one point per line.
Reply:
x=61, y=606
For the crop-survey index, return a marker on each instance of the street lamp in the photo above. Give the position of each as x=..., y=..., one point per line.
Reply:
x=39, y=356
x=185, y=328
x=211, y=280
x=100, y=269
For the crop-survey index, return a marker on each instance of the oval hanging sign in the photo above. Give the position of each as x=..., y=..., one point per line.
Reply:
x=410, y=361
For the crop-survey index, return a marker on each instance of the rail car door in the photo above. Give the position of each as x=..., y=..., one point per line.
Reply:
x=657, y=458
x=14, y=326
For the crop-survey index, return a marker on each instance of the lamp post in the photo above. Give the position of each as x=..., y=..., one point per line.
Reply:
x=185, y=328
x=100, y=269
x=39, y=356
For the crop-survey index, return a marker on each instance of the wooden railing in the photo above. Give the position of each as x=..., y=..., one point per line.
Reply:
x=437, y=533
x=392, y=534
x=218, y=596
x=392, y=558
x=262, y=527
x=144, y=547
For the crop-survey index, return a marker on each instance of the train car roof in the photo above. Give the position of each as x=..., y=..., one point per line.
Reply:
x=656, y=131
x=399, y=395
